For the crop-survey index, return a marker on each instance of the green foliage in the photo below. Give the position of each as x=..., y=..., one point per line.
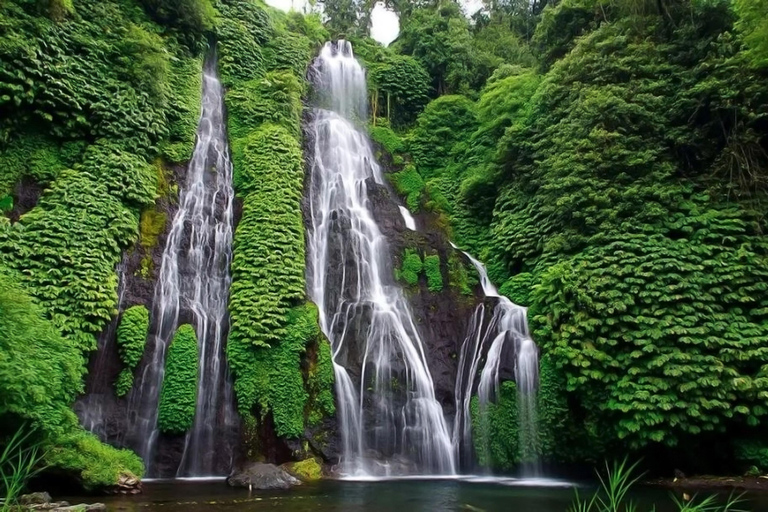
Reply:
x=271, y=329
x=390, y=142
x=615, y=490
x=409, y=183
x=98, y=465
x=28, y=155
x=131, y=338
x=66, y=250
x=753, y=26
x=242, y=28
x=268, y=260
x=270, y=378
x=751, y=452
x=40, y=376
x=458, y=277
x=19, y=461
x=189, y=19
x=400, y=87
x=178, y=396
x=410, y=267
x=441, y=41
x=319, y=382
x=275, y=98
x=185, y=90
x=445, y=124
x=432, y=271
x=495, y=429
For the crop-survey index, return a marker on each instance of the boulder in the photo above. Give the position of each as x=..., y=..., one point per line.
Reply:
x=258, y=475
x=36, y=498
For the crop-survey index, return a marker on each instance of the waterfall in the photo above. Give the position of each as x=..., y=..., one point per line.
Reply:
x=410, y=222
x=91, y=409
x=193, y=286
x=509, y=321
x=389, y=418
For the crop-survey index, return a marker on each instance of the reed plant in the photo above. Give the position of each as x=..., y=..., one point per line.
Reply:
x=616, y=485
x=19, y=461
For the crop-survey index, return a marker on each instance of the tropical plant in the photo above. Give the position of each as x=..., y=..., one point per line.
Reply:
x=20, y=460
x=616, y=485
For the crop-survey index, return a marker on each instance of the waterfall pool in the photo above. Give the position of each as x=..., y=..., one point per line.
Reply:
x=473, y=494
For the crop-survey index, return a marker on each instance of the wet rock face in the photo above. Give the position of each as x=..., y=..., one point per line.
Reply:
x=261, y=476
x=442, y=317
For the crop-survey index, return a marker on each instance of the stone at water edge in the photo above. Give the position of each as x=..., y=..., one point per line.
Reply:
x=126, y=484
x=94, y=507
x=41, y=501
x=35, y=498
x=261, y=476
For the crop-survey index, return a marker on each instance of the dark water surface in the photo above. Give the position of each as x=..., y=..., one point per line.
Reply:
x=383, y=496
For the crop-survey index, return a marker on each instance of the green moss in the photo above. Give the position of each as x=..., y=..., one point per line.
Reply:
x=308, y=470
x=432, y=271
x=151, y=226
x=410, y=268
x=178, y=397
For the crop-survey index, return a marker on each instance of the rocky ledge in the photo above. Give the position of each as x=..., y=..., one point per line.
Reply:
x=42, y=501
x=261, y=476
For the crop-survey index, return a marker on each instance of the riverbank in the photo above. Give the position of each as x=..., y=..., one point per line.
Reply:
x=713, y=483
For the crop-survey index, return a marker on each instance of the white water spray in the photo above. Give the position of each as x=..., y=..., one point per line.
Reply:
x=390, y=420
x=410, y=222
x=193, y=286
x=509, y=321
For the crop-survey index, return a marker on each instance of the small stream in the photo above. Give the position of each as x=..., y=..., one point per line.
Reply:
x=472, y=494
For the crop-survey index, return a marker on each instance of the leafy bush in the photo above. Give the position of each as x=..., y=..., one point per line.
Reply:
x=432, y=271
x=410, y=267
x=271, y=377
x=409, y=183
x=400, y=88
x=190, y=19
x=131, y=338
x=40, y=376
x=178, y=397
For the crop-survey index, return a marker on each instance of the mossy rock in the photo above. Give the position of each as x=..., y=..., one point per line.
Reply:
x=307, y=470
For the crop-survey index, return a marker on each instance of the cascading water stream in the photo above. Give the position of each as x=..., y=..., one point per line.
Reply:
x=91, y=409
x=193, y=286
x=390, y=420
x=509, y=321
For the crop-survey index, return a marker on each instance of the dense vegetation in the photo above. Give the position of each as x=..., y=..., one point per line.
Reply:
x=131, y=339
x=608, y=161
x=178, y=396
x=90, y=99
x=263, y=62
